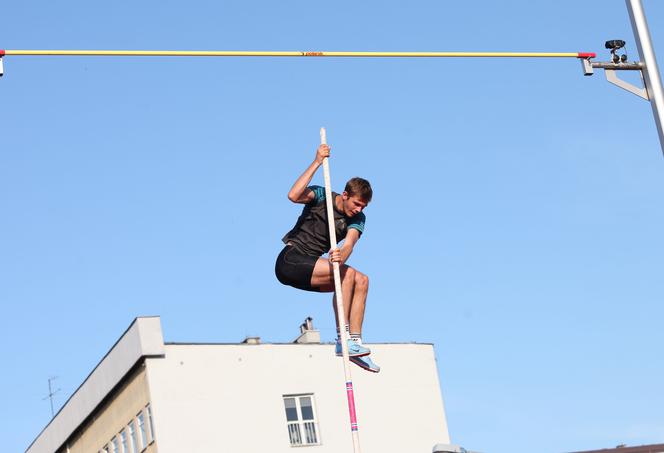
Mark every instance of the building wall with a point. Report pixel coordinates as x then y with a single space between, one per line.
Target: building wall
114 415
229 398
143 338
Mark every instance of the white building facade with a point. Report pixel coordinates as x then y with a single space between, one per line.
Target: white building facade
147 395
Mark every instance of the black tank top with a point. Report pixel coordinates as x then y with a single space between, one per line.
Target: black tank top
310 233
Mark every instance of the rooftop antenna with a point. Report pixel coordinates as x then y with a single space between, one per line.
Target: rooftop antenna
51 393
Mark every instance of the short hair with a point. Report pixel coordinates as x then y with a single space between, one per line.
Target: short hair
360 187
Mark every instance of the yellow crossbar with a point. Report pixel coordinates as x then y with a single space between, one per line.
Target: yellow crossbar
242 53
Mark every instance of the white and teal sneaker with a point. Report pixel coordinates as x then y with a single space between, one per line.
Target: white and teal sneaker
354 349
365 363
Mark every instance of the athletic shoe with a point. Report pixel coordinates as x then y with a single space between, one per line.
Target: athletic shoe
354 349
365 363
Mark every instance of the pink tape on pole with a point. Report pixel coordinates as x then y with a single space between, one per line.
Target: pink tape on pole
2 53
586 55
351 406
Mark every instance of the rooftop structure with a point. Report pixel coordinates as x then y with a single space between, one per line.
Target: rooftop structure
147 395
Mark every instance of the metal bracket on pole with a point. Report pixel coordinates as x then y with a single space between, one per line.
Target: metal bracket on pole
612 77
618 63
652 86
587 66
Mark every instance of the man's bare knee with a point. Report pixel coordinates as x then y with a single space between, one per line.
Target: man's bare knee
348 273
361 281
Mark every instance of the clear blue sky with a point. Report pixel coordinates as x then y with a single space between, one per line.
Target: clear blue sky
517 219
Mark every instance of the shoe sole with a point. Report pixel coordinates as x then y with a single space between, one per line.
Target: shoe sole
363 354
364 367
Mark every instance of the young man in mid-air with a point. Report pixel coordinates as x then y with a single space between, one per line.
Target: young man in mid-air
300 263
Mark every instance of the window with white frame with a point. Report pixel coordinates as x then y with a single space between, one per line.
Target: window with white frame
301 420
142 429
148 409
133 437
123 441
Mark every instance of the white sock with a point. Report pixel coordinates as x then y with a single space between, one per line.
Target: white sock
347 327
356 337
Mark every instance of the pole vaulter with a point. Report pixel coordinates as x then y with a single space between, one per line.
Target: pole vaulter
326 217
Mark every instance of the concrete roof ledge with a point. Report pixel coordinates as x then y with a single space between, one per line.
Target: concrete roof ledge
143 338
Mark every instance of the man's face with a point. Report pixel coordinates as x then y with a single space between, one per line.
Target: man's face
353 204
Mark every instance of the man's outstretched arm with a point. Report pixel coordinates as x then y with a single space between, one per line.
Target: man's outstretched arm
299 192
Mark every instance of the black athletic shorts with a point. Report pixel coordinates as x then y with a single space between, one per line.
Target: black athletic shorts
295 268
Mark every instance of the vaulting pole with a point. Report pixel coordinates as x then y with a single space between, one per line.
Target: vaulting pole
341 317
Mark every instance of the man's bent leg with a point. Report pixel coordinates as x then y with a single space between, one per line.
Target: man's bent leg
355 286
358 303
322 277
323 280
361 289
355 347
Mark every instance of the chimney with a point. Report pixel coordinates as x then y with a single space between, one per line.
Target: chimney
252 340
308 335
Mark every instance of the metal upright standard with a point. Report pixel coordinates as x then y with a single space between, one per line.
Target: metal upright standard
343 335
652 85
650 71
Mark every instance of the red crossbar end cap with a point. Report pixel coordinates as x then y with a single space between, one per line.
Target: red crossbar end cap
586 55
2 53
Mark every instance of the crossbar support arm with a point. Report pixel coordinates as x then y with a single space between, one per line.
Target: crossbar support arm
610 69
